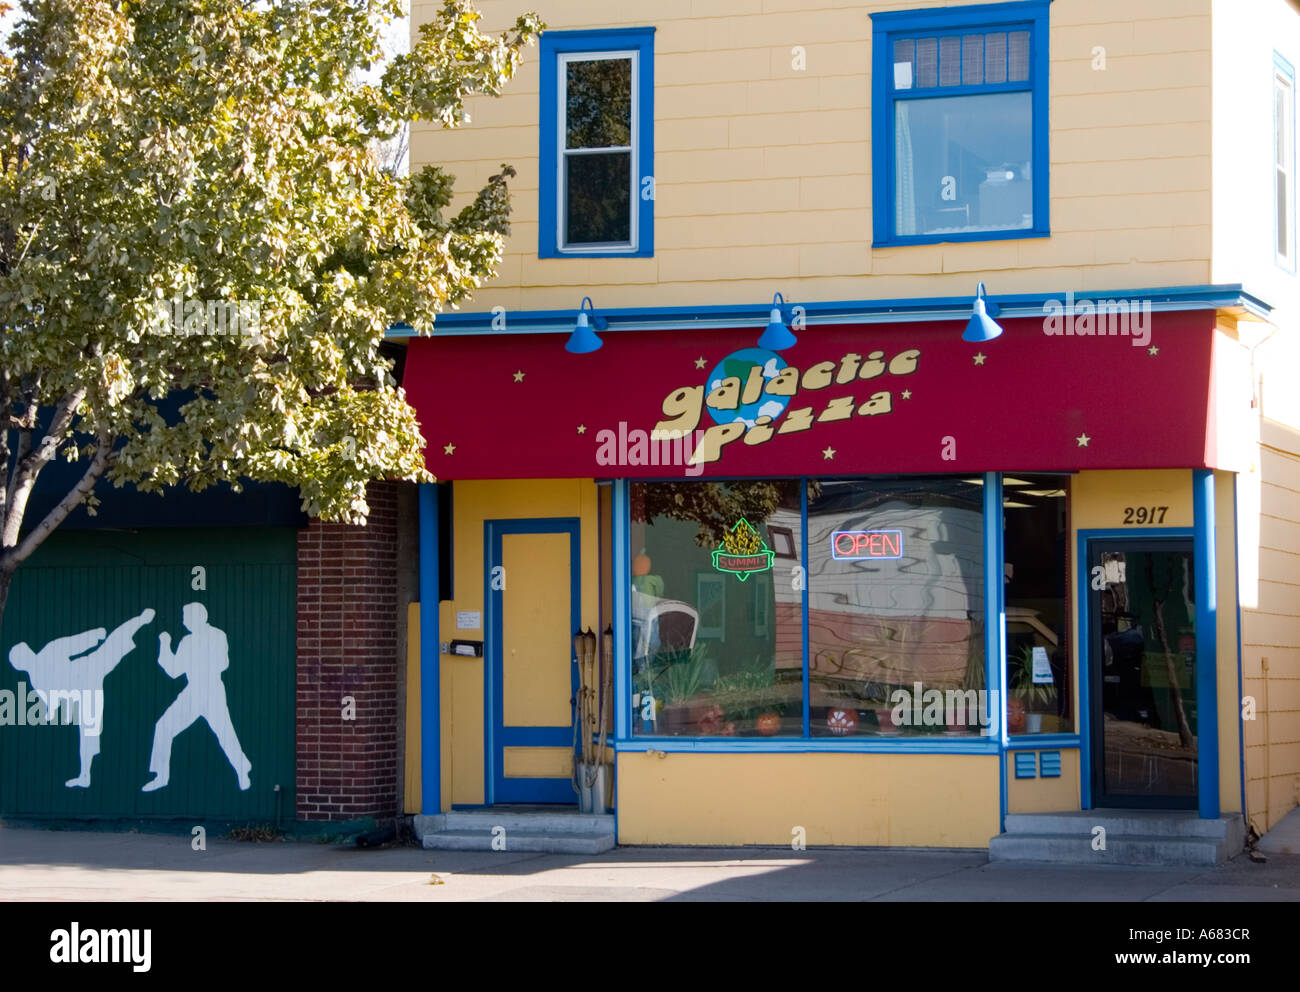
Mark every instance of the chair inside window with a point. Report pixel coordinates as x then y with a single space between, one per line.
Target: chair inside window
670 625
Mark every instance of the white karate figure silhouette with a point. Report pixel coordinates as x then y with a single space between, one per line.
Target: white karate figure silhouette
57 676
201 656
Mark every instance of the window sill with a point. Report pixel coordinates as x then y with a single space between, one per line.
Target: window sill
864 745
1025 742
940 239
603 253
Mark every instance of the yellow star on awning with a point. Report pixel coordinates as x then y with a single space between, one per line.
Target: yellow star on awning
828 453
582 428
519 376
448 449
1083 440
979 357
700 362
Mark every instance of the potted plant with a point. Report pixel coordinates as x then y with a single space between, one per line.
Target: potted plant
1030 695
681 681
750 696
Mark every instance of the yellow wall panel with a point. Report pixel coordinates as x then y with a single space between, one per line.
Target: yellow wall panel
838 799
1044 795
538 762
535 632
1098 499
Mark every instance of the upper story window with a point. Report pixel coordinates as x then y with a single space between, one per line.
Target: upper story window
1284 163
959 123
596 183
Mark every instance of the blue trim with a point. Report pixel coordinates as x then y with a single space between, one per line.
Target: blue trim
793 745
995 669
621 576
886 27
1067 742
994 612
1025 765
803 606
1083 669
553 45
498 788
430 655
1224 296
1207 669
954 17
1241 688
1049 764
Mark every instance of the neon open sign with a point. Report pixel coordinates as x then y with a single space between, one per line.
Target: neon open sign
856 545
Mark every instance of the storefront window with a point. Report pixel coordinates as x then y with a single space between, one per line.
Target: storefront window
896 608
1038 650
717 624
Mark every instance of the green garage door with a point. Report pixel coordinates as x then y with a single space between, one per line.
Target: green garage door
150 675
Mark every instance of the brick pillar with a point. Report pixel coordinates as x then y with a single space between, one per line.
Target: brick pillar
347 646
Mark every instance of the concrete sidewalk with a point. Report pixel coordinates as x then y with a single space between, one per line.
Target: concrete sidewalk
48 865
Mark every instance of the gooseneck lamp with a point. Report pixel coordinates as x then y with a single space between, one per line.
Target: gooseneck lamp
980 327
583 340
777 336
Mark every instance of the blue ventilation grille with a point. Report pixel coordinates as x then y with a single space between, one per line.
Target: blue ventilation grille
1049 764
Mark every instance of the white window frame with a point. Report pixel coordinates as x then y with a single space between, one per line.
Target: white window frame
1284 83
562 172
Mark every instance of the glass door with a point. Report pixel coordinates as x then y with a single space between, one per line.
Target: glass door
1142 637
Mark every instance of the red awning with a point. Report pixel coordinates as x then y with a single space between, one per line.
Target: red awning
845 400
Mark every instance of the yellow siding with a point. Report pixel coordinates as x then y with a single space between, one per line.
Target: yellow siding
1044 795
1271 633
779 159
854 800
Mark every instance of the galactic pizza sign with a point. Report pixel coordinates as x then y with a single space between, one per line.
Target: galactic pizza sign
845 400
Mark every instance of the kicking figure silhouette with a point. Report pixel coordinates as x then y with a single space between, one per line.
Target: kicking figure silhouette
59 677
201 656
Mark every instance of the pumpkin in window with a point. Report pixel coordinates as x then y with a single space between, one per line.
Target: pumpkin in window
841 723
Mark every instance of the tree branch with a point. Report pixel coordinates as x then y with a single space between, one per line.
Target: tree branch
16 555
30 463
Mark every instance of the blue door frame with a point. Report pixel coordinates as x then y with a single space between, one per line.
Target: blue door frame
497 736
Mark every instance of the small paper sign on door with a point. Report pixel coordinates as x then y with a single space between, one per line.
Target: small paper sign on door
468 620
1042 667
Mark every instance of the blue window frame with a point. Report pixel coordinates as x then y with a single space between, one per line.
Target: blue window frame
596 160
1283 178
959 119
989 741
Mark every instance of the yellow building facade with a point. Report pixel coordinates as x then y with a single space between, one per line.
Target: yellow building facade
1015 430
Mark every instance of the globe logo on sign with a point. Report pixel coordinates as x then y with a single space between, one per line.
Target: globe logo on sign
737 365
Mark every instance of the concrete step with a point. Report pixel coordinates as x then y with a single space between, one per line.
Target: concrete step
1121 849
529 840
1158 823
534 821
